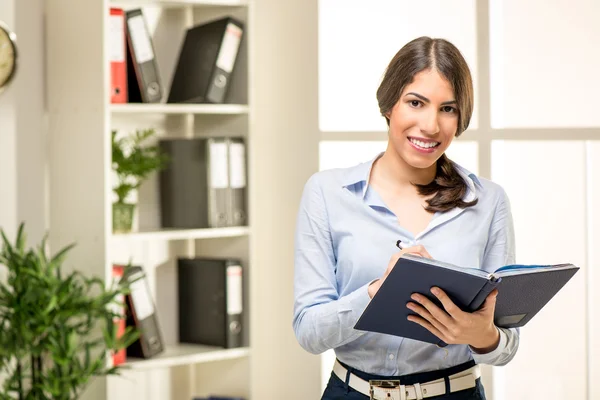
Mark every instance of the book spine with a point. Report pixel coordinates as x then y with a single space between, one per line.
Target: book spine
482 295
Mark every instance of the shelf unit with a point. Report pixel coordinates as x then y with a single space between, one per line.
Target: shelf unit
81 118
178 355
183 234
166 109
179 3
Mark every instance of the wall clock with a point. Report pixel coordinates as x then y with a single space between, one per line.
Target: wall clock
8 55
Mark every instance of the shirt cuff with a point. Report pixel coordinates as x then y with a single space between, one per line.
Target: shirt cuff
488 358
357 301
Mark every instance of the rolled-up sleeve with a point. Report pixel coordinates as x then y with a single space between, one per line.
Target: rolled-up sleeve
322 319
500 251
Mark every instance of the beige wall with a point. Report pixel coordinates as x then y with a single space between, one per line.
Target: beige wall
285 136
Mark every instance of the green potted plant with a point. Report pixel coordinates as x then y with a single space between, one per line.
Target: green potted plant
56 331
132 161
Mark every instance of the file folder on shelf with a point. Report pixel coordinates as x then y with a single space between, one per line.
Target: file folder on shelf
204 185
218 182
210 301
144 84
206 62
118 54
237 182
119 356
141 313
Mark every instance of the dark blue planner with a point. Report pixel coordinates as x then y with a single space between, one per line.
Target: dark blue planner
523 290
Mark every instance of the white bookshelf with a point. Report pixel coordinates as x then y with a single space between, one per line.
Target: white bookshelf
179 3
81 119
172 109
182 354
183 234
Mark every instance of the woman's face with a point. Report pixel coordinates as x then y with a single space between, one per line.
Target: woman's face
424 120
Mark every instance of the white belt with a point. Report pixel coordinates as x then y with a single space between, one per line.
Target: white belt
394 390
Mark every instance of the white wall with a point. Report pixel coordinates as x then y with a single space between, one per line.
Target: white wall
22 154
8 134
22 128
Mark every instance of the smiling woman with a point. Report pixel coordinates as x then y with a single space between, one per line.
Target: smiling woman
350 219
425 115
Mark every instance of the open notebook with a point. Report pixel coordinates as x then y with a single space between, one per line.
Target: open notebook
523 290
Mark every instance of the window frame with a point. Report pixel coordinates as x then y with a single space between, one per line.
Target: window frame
484 135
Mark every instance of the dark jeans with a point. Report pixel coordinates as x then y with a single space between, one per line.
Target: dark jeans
338 390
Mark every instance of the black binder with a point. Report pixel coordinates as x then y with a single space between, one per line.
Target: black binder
141 313
210 301
194 186
204 185
143 78
206 62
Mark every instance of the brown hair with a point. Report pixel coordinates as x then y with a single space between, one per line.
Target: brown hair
422 54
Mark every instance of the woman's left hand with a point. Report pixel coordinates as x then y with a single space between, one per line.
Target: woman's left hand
454 326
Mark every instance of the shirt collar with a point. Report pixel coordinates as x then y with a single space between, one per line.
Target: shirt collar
473 183
362 172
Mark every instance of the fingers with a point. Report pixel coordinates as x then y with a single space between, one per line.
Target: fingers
394 258
450 323
434 310
427 325
425 314
418 249
393 261
489 306
448 304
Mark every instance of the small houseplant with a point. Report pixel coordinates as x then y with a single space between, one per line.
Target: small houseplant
132 161
56 331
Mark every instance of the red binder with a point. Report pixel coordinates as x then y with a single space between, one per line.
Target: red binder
120 356
118 63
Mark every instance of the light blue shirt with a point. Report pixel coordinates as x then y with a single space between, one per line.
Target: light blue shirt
345 237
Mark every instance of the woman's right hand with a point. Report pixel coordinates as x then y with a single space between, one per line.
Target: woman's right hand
417 250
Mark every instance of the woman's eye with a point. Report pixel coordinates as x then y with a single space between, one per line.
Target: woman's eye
448 109
415 103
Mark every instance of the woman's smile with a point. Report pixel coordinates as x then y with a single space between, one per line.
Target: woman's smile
423 145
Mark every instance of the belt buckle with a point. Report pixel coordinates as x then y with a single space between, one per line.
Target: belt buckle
389 389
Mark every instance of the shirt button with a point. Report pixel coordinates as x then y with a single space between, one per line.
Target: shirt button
391 356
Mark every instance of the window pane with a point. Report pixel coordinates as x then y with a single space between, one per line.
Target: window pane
358 39
346 154
548 206
544 63
465 153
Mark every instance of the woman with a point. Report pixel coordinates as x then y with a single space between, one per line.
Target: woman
350 220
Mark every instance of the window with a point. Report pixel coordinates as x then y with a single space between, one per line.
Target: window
358 39
539 144
547 193
544 63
